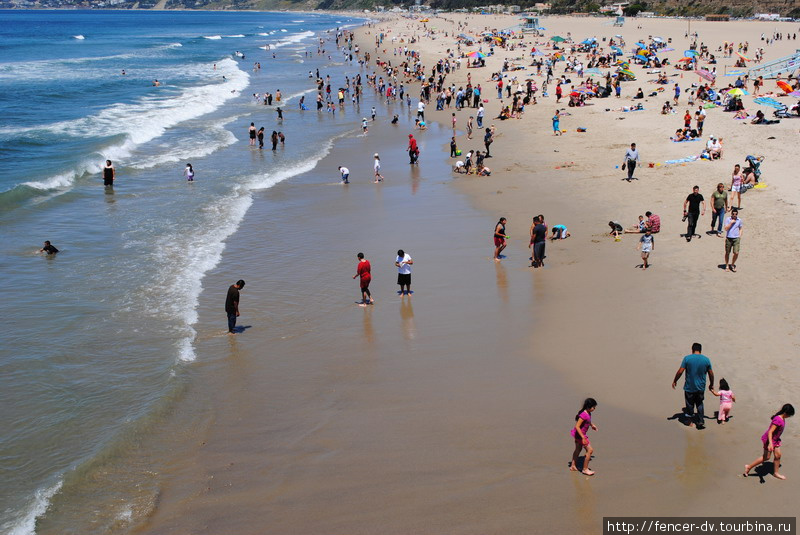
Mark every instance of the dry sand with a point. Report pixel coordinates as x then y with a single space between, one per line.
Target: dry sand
450 414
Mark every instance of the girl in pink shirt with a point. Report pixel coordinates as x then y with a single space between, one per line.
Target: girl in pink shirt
771 441
583 421
726 401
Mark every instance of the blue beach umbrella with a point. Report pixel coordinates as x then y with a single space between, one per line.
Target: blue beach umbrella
641 45
617 49
690 53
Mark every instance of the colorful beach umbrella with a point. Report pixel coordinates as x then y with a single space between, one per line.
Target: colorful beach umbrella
627 72
742 56
786 87
686 59
736 92
690 53
617 49
476 54
705 75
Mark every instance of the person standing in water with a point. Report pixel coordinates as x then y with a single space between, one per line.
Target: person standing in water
232 305
500 238
404 263
261 138
189 172
363 270
252 132
109 174
274 139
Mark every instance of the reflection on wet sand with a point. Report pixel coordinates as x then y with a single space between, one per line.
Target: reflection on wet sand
502 281
407 316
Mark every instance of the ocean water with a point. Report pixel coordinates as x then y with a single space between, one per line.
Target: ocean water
100 338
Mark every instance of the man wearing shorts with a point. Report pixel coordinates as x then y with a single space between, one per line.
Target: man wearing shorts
696 367
404 263
538 241
733 233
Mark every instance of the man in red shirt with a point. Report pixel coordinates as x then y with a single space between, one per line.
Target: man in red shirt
653 222
413 150
364 271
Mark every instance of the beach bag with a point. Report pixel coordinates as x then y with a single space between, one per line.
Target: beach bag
624 165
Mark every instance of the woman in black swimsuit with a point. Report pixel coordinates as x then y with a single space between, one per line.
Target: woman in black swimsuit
109 174
261 138
252 134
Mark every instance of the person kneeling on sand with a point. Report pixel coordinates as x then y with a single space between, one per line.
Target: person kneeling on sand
559 232
459 167
616 228
483 171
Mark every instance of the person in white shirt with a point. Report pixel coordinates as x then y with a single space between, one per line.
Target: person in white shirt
377 166
421 110
403 263
345 175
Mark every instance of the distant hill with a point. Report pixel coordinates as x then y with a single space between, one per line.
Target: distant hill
735 8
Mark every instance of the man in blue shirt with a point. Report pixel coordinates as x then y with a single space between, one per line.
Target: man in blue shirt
696 367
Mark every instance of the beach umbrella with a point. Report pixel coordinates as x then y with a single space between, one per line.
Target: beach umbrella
557 39
736 92
476 54
690 53
584 90
742 56
627 72
643 52
641 45
574 94
617 49
537 53
706 75
786 87
685 59
794 94
658 40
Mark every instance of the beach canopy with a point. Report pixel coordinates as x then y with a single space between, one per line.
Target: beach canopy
690 53
706 75
557 39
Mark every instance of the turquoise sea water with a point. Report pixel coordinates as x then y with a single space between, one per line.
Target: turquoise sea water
98 337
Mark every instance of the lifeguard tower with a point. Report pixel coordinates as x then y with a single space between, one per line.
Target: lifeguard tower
620 21
530 24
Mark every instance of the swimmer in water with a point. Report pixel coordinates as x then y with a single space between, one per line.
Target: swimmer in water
48 248
156 83
189 172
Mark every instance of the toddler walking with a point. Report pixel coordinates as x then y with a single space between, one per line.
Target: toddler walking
726 401
583 421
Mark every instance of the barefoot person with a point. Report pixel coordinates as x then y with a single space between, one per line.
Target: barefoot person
771 440
363 270
232 305
109 174
500 238
696 367
647 245
733 235
404 263
538 241
630 161
377 166
583 421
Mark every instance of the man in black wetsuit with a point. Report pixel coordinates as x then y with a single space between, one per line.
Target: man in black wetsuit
48 248
232 305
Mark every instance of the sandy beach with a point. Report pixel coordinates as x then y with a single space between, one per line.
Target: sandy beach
450 411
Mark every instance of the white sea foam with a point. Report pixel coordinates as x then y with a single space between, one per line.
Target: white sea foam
298 21
284 30
141 121
213 37
26 525
201 252
237 35
293 39
78 37
263 33
174 45
202 144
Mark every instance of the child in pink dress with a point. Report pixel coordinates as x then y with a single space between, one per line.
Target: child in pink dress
771 441
583 421
726 401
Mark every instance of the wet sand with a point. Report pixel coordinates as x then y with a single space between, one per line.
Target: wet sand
449 412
